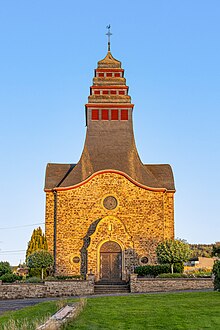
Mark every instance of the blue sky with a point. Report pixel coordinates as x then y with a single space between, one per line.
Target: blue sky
170 51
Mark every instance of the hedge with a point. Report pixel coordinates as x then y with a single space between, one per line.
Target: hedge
216 272
155 270
10 278
174 275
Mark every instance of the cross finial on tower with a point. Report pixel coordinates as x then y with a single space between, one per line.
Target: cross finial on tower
109 34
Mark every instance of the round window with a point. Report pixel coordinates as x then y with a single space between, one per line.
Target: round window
110 202
144 260
76 260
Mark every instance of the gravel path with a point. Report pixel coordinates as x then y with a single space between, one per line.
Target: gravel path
15 304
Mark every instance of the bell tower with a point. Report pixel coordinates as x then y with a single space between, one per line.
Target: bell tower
110 143
109 99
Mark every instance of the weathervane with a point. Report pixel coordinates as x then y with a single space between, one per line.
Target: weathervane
109 34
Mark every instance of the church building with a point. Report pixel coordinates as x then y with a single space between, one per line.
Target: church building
106 214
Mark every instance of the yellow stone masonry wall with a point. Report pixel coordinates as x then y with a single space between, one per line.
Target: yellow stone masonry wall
141 219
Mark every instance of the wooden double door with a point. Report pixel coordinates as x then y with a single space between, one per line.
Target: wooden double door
110 262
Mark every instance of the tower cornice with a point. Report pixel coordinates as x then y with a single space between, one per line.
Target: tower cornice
110 105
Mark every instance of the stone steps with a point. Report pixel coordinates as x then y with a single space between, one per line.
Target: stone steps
111 288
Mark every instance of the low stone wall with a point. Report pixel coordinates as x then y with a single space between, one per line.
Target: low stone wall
48 289
168 284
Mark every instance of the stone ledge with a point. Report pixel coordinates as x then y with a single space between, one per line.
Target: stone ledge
169 284
47 289
175 279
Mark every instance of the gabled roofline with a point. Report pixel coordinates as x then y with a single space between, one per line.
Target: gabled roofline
110 171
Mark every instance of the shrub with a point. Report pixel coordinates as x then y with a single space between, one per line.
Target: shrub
170 275
216 272
202 274
36 272
187 275
155 270
10 278
33 279
178 267
64 278
5 268
73 277
152 270
50 278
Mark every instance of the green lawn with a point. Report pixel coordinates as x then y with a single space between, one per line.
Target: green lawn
27 318
151 311
154 311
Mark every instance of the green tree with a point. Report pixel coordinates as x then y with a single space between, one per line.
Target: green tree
216 250
40 260
173 251
5 268
201 250
38 242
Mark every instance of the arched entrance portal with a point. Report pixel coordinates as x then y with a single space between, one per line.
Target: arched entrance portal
110 262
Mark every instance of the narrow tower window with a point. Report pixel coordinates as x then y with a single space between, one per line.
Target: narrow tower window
104 114
124 114
114 114
95 114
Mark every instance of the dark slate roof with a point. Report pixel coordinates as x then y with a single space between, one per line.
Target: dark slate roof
163 173
57 174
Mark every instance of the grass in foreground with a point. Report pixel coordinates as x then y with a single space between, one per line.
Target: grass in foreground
192 311
171 311
28 318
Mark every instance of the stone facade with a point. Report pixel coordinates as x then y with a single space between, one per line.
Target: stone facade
48 289
84 224
138 285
